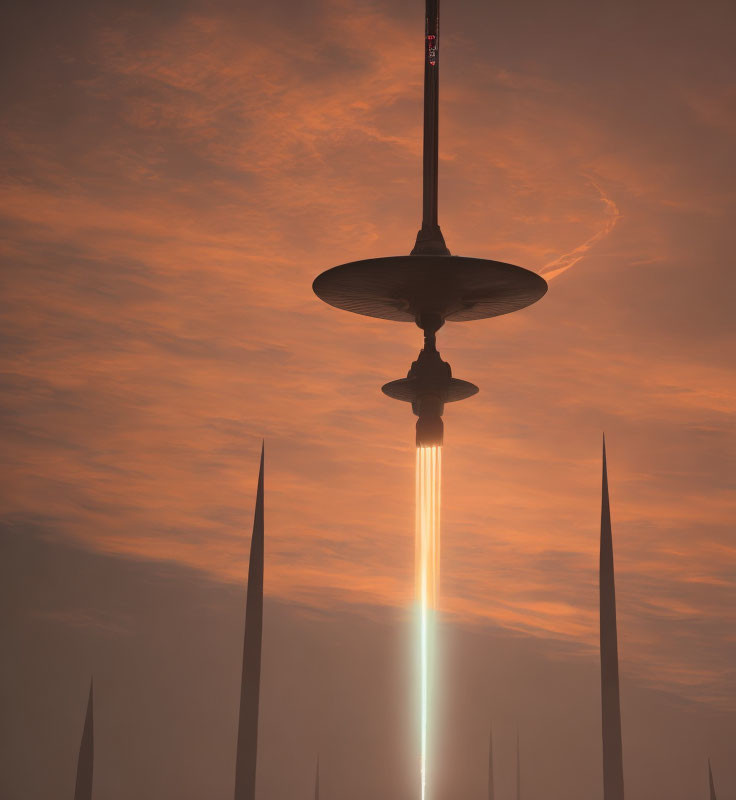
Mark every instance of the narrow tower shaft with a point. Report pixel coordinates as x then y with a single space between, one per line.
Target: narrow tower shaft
85 763
491 785
429 238
711 785
431 113
247 749
316 782
613 768
518 769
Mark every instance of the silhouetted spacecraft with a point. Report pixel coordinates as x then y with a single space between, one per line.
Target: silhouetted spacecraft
430 286
613 764
85 762
247 747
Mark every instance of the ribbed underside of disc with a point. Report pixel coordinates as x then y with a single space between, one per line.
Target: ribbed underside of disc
402 288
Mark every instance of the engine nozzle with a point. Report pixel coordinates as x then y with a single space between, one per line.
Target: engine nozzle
430 430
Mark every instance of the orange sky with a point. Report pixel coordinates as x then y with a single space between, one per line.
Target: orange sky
173 182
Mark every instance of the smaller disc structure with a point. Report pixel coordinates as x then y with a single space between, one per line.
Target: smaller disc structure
407 389
403 288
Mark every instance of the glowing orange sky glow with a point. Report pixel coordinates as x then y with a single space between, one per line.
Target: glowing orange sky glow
170 192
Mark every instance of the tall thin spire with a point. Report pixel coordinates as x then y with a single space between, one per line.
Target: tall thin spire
85 763
491 785
316 782
429 238
247 749
613 767
710 783
518 768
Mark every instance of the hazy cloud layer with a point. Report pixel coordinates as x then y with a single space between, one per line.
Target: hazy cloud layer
338 682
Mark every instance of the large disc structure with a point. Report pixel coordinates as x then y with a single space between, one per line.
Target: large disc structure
405 288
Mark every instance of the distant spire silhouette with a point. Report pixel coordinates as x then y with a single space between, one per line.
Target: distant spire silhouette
518 768
710 782
247 749
316 782
491 787
85 763
613 767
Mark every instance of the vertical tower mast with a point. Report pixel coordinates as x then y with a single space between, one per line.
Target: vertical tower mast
85 763
711 785
613 768
247 747
491 782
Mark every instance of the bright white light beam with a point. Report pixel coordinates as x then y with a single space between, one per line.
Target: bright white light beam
427 575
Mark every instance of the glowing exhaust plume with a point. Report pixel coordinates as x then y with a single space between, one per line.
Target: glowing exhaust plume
427 576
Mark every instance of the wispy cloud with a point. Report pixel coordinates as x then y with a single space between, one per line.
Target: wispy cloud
567 260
